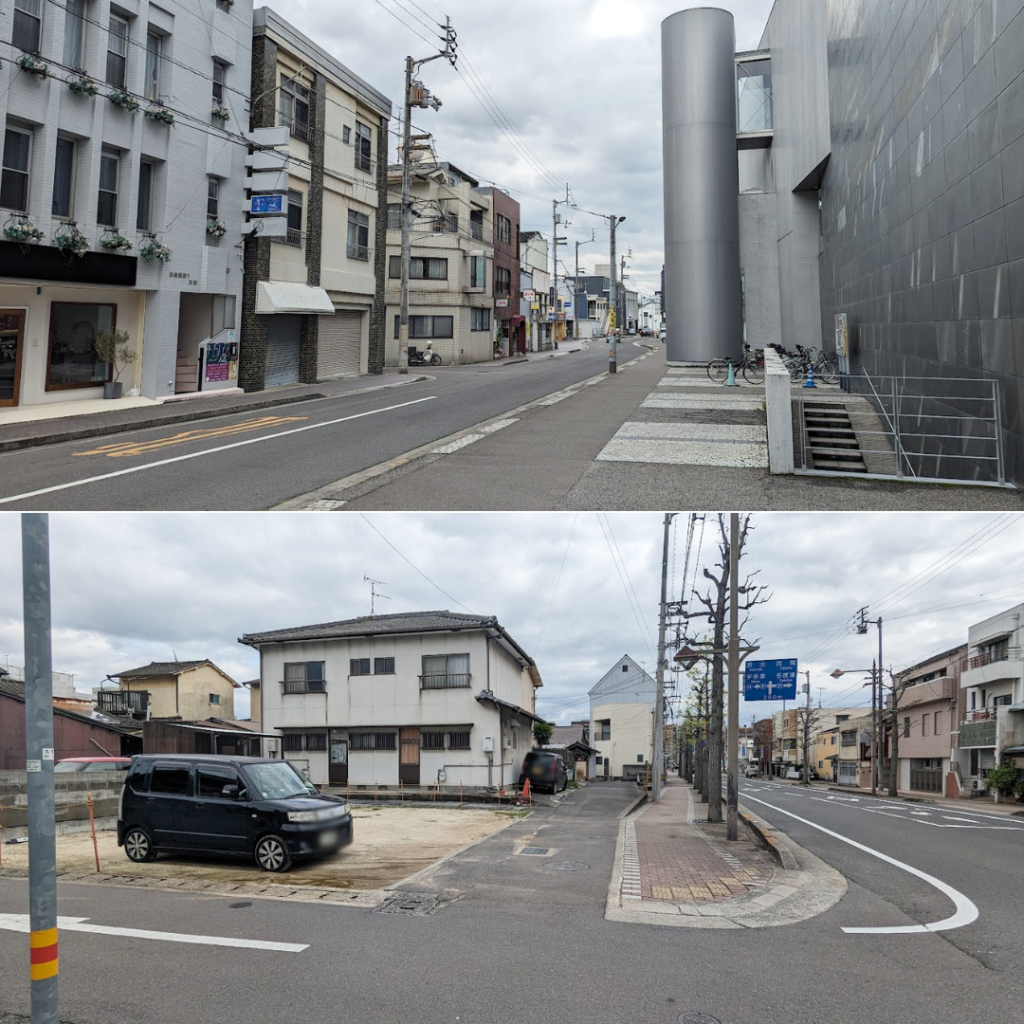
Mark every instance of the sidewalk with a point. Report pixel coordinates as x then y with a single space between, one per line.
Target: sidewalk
675 868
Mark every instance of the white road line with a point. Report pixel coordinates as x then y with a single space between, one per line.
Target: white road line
207 451
966 911
20 923
949 817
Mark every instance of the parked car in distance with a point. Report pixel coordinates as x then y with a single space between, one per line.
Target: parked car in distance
751 771
545 770
228 806
661 334
93 764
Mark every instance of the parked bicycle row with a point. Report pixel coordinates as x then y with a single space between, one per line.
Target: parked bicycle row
751 365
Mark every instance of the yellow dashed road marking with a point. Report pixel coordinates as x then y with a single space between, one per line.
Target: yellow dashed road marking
123 448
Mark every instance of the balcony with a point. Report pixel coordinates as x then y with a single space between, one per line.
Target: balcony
444 680
978 729
123 702
988 658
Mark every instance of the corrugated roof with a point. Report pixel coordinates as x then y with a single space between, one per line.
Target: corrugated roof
15 688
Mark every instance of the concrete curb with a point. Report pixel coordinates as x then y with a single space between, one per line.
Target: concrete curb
983 806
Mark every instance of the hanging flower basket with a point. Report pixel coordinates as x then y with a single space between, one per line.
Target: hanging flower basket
22 230
70 241
216 228
115 241
83 86
160 114
151 250
124 100
221 112
33 65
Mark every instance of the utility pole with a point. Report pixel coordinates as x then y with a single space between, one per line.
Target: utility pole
613 354
659 702
732 799
624 314
555 242
806 781
415 95
576 283
876 686
42 837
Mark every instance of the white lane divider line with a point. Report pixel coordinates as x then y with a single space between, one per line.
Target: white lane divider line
966 912
949 817
497 425
208 451
20 923
454 446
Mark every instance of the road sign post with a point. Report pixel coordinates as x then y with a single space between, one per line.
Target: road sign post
770 680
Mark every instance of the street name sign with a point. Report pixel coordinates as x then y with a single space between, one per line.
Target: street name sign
770 680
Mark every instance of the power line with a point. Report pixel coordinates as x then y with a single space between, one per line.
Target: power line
558 579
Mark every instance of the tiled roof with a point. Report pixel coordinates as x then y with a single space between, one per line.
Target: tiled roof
566 734
374 625
12 687
159 668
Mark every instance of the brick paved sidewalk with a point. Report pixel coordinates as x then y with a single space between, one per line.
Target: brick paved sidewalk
671 853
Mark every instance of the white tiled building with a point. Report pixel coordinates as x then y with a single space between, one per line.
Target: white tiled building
75 162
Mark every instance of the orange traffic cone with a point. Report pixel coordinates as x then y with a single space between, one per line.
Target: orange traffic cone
525 797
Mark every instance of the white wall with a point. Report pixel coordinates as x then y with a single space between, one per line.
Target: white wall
631 734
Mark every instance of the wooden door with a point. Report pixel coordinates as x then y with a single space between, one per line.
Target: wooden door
337 772
409 757
12 331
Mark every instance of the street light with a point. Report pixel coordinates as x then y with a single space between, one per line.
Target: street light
836 673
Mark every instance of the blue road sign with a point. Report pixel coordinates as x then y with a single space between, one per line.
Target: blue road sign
770 680
267 204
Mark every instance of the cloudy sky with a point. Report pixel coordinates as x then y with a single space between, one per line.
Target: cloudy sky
575 84
576 590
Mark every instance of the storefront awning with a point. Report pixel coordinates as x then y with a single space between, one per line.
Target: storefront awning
289 297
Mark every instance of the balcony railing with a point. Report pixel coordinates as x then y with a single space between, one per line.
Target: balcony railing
444 680
980 660
303 686
123 702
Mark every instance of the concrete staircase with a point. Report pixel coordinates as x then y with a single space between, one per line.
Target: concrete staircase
831 442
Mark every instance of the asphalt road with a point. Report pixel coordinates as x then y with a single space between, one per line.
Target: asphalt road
521 938
258 459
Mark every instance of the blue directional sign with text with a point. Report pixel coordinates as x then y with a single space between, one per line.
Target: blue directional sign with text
770 680
267 204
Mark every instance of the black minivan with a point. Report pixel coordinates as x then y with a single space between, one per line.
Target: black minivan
545 770
229 806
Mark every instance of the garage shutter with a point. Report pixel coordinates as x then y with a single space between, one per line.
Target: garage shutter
284 336
847 775
338 345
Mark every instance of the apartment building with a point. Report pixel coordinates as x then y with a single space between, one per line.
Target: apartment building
451 273
312 306
533 256
510 324
120 192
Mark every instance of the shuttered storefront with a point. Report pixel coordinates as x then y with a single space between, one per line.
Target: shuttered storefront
284 337
338 344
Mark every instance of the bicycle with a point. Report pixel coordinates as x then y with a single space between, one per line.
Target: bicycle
751 364
824 367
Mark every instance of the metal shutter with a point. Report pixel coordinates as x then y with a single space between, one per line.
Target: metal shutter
339 343
284 337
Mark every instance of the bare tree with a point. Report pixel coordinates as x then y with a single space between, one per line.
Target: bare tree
892 720
807 719
715 607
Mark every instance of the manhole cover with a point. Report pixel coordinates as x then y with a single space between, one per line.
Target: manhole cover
569 865
537 851
697 1018
415 904
239 906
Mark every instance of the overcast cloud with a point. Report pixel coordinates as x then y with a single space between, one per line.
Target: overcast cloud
133 588
580 80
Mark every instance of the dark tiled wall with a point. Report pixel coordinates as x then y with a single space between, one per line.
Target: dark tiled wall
923 197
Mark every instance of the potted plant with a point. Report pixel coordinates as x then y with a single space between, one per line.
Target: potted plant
160 114
151 250
22 230
114 240
124 100
69 240
216 228
81 85
113 347
221 112
33 65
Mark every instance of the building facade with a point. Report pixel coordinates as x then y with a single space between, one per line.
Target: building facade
185 690
123 158
622 720
510 324
533 254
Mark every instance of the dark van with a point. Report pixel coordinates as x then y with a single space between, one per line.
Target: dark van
229 806
545 770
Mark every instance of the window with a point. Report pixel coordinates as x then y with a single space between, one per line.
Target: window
476 272
833 741
364 136
384 666
442 671
371 741
937 724
504 229
220 74
431 326
476 223
27 20
395 219
151 84
346 134
448 222
171 779
849 739
906 727
144 220
304 677
625 668
639 758
211 780
214 698
426 268
295 108
294 236
479 319
604 729
502 282
14 178
106 210
924 725
72 356
212 198
222 316
292 741
359 667
316 741
460 740
117 51
74 33
432 740
358 235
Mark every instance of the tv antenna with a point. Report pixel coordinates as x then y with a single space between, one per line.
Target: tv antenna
374 584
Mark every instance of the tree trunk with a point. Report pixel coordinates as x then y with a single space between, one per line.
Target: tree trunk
717 695
894 763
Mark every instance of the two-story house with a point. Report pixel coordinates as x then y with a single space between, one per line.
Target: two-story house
120 192
313 301
408 699
622 720
992 728
188 691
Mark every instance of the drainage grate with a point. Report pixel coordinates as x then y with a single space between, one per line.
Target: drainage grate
536 851
414 904
569 865
697 1018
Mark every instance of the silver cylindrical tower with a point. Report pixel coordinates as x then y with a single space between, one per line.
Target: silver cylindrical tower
702 251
